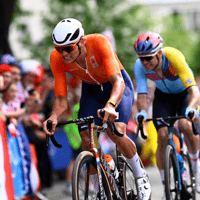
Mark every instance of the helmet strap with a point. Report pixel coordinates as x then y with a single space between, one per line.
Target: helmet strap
79 52
158 62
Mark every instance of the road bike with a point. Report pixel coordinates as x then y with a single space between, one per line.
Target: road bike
174 163
110 187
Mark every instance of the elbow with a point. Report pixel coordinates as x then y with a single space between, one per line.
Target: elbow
123 85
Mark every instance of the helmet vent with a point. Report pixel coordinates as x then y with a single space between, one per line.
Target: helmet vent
149 47
75 35
68 20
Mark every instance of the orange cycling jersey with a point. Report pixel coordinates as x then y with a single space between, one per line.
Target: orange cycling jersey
101 62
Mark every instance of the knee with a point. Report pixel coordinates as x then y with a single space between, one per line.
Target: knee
185 126
162 139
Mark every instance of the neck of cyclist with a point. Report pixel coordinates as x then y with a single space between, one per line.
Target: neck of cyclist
82 53
159 62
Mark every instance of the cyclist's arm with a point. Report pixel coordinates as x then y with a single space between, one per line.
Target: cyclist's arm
118 87
194 97
59 107
142 102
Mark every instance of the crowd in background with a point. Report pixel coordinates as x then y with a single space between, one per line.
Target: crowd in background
27 95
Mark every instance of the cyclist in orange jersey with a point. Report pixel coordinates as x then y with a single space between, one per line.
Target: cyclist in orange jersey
105 85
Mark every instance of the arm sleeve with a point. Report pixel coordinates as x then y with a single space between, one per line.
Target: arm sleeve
107 54
141 78
59 75
180 66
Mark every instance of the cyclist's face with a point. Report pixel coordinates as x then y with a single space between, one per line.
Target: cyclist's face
150 64
68 58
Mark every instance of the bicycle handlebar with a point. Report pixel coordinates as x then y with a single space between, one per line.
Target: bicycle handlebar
81 121
161 119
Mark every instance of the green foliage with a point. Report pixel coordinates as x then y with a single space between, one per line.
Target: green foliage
175 35
126 25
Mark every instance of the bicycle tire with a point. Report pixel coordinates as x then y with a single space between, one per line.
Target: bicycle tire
171 175
128 181
79 179
190 176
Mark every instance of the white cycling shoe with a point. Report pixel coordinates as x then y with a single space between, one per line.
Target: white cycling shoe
143 188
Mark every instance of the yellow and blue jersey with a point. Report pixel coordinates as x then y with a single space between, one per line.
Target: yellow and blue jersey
177 74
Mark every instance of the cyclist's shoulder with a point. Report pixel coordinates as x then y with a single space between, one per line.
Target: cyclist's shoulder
96 40
172 53
138 66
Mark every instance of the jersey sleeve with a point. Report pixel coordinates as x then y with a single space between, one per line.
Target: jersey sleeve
59 74
180 66
141 78
107 54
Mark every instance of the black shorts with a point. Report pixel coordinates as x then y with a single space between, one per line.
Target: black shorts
165 105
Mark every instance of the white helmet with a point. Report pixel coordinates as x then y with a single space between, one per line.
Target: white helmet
67 31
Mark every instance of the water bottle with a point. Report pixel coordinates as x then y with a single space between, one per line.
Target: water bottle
112 165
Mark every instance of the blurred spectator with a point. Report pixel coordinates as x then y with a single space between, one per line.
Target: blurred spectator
8 59
10 108
38 85
6 73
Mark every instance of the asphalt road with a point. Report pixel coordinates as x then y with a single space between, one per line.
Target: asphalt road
56 191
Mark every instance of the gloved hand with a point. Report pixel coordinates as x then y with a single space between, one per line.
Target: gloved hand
143 113
189 109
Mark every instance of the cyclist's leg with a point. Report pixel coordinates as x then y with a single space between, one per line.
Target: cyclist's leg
191 140
163 106
126 146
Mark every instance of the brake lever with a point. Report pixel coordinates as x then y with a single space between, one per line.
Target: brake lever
140 127
194 126
49 127
111 125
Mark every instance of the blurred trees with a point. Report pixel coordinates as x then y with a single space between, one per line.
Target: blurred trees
126 25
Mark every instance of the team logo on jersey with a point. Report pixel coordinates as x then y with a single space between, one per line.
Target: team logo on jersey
189 81
93 62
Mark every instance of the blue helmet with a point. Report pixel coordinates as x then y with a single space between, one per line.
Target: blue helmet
148 43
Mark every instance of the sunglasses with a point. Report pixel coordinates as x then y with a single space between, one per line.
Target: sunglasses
68 48
147 58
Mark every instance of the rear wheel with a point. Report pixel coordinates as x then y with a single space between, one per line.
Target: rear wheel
82 186
171 175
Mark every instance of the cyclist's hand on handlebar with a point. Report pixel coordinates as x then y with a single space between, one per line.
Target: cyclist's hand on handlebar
190 110
110 114
54 123
142 113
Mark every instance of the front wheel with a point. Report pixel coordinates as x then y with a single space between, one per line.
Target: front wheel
171 175
82 186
